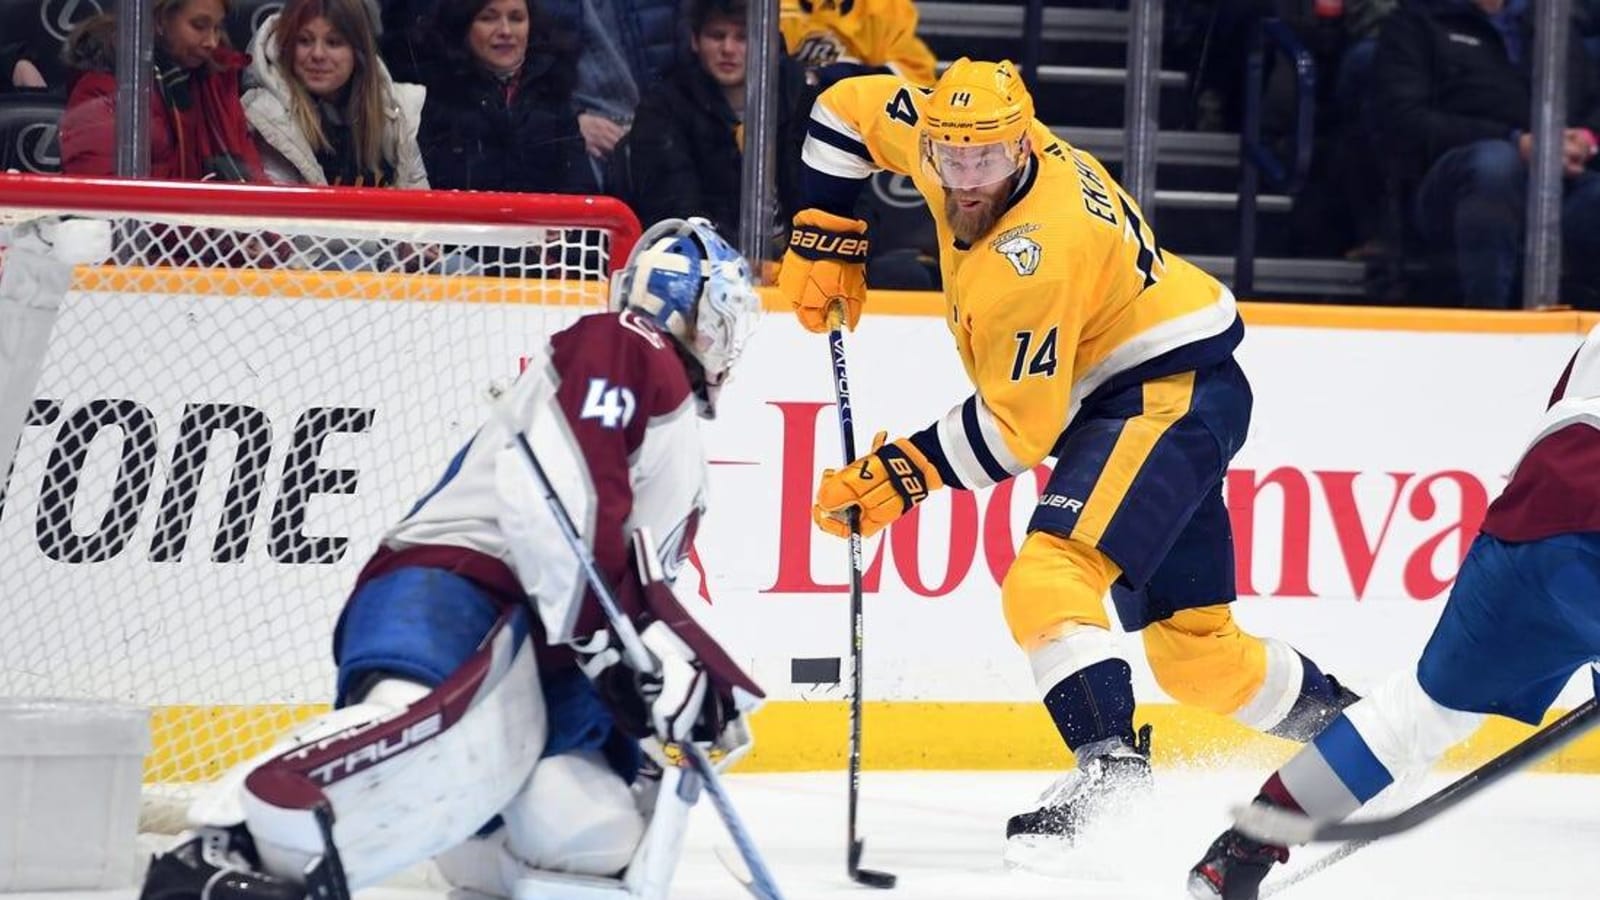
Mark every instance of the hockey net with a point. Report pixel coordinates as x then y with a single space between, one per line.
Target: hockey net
229 410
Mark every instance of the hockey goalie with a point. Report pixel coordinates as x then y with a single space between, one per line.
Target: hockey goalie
485 716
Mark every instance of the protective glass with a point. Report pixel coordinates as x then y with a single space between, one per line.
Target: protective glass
968 166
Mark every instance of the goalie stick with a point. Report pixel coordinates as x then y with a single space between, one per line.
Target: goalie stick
761 883
847 436
1280 826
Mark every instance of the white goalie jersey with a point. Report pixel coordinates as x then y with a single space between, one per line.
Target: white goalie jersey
611 417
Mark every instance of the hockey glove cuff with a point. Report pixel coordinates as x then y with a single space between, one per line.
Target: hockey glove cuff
825 267
883 485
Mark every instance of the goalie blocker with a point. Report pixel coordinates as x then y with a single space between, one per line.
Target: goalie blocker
483 716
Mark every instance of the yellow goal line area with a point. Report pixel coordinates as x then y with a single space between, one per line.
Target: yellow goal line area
199 743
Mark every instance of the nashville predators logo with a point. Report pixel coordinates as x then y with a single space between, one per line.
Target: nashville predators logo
826 6
819 48
1020 250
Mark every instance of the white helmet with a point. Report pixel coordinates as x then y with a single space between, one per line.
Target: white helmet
684 277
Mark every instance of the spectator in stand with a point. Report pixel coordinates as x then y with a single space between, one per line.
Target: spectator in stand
197 125
322 104
17 70
498 115
684 155
1359 165
1453 81
621 44
835 39
625 44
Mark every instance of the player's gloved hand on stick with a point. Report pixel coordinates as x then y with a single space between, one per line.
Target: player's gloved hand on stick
679 701
884 485
825 265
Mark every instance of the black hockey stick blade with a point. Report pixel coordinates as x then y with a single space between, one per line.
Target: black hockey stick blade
325 878
869 877
1280 826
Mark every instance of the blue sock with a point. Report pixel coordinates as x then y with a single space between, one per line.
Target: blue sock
1318 702
1094 704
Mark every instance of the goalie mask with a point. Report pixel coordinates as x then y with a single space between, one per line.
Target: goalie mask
688 280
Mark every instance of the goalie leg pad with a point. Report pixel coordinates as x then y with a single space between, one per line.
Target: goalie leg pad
221 804
574 815
411 785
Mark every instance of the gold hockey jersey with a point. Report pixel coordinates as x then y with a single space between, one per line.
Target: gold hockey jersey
871 32
1068 293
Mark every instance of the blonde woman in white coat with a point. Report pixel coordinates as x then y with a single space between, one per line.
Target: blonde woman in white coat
322 105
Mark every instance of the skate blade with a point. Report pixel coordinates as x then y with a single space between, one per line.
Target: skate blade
1040 854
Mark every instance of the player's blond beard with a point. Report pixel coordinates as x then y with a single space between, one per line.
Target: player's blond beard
968 227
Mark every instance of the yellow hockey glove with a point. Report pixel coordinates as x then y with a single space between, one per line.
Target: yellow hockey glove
825 266
884 484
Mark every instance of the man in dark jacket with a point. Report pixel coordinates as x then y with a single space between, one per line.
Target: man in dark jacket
1453 81
684 154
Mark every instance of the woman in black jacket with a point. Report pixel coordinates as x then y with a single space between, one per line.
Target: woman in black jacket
499 113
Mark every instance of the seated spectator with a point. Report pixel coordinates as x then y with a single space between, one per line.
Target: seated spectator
620 45
322 105
684 156
498 116
836 40
197 125
1453 104
17 70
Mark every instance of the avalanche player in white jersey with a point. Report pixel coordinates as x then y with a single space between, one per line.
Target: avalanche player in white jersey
1523 616
484 716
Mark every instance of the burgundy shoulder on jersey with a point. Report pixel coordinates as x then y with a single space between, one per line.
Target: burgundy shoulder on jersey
614 372
1556 486
624 351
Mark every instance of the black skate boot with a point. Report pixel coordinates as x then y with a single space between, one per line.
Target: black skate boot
1105 777
214 864
1233 868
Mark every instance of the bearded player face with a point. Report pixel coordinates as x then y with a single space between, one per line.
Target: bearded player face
972 212
977 181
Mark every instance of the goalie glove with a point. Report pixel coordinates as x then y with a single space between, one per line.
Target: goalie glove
825 266
694 691
680 701
883 485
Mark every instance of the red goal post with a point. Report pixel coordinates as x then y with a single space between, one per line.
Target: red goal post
222 415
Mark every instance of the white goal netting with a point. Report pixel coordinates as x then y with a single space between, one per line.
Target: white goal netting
230 409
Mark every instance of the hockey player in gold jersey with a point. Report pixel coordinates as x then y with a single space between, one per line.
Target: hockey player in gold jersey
871 34
1085 341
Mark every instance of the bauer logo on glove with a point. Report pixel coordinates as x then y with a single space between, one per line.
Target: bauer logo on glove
883 485
825 269
813 244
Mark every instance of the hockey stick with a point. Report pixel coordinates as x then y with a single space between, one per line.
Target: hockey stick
1278 886
847 436
761 884
1280 826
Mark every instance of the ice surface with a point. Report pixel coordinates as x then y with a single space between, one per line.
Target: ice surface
1536 836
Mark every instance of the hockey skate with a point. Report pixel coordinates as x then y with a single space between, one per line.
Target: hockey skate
1107 777
1234 867
213 864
